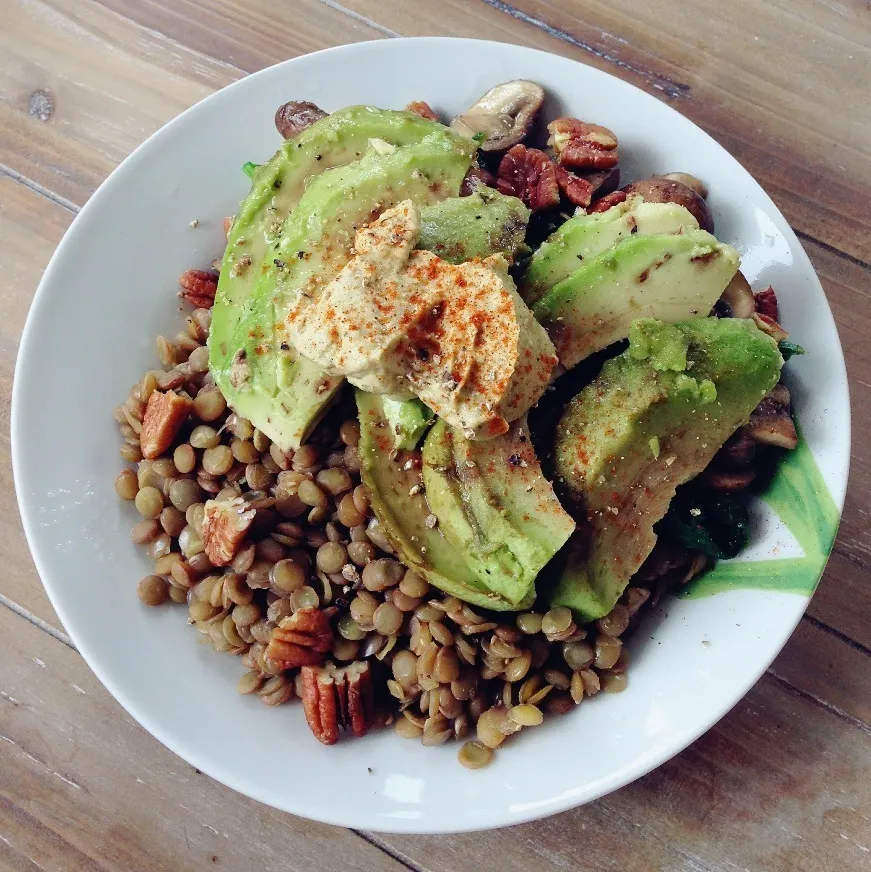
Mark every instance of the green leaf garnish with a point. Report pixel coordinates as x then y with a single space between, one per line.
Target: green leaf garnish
789 349
250 168
715 525
480 136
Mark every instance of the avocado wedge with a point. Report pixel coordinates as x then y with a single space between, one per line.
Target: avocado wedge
585 236
668 277
278 185
256 368
652 420
425 526
493 503
463 228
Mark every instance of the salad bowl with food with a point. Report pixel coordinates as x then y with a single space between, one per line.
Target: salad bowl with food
489 423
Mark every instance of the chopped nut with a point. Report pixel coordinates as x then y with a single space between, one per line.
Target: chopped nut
164 416
606 202
431 521
302 639
768 325
338 698
419 107
529 174
766 303
225 523
198 287
228 224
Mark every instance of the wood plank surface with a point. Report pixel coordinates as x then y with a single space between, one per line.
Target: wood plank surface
84 788
782 783
747 795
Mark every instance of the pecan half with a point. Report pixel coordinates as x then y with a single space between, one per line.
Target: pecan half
476 178
529 174
581 189
198 287
337 698
293 117
766 303
420 107
164 416
575 189
303 639
225 523
583 146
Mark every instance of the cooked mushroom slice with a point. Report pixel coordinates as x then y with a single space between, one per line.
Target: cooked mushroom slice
778 430
721 480
659 189
504 114
690 181
739 297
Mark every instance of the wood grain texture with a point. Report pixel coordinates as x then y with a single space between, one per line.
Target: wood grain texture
30 228
781 783
83 787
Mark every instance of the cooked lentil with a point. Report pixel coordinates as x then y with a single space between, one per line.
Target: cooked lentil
450 670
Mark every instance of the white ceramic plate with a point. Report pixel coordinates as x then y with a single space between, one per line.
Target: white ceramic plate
110 289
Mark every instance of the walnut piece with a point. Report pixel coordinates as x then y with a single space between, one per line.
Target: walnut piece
582 146
303 639
225 523
422 108
293 117
337 698
198 287
164 416
529 174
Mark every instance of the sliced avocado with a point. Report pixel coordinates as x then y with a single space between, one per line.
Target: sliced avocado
402 510
407 420
585 236
669 277
462 228
652 420
493 502
256 368
334 141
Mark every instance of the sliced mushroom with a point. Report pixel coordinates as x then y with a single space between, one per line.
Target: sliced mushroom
728 481
504 114
739 297
661 190
776 430
738 452
690 181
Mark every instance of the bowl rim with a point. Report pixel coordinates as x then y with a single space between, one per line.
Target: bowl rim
119 691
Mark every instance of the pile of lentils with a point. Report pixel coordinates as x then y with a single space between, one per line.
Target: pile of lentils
442 669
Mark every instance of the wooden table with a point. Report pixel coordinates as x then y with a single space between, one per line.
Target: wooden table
784 781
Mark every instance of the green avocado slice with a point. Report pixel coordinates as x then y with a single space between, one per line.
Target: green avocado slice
261 376
334 141
484 223
402 511
652 420
492 502
585 236
668 277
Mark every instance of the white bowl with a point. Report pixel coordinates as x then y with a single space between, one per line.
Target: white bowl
110 289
